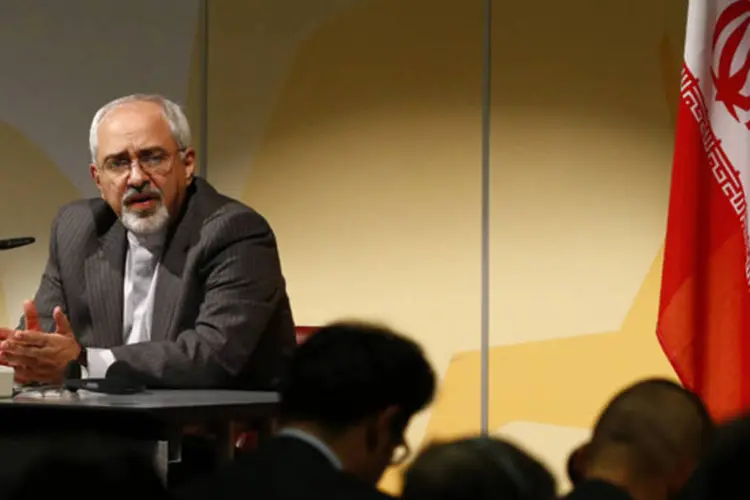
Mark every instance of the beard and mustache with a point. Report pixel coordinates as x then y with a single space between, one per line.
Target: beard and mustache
144 220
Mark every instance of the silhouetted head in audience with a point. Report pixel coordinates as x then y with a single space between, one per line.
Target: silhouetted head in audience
724 472
648 440
82 466
477 469
356 386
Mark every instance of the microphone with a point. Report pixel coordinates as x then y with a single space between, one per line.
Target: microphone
72 371
11 243
121 378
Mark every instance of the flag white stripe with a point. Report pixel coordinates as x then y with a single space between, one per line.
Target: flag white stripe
732 135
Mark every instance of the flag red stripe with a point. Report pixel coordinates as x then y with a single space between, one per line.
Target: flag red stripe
703 321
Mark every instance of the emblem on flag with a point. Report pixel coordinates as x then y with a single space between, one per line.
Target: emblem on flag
730 72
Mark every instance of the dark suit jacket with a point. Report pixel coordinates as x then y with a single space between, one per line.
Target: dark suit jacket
284 468
221 315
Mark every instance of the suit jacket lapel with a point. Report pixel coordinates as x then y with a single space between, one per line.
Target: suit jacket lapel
169 283
104 271
168 288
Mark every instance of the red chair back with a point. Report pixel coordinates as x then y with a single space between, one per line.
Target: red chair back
304 332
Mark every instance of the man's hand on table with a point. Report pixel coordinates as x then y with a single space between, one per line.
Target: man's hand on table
38 356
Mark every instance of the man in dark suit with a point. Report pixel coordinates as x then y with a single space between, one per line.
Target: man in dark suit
162 273
349 396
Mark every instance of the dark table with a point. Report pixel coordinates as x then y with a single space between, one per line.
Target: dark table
157 417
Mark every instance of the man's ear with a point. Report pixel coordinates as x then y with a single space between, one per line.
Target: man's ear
387 418
577 463
380 428
681 476
95 175
188 160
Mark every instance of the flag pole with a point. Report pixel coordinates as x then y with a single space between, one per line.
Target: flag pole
203 20
485 294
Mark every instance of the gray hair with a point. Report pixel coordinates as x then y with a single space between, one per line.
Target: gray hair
178 122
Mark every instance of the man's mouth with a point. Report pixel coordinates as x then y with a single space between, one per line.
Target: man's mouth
142 201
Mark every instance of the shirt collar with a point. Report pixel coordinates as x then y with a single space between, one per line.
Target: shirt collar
314 442
152 242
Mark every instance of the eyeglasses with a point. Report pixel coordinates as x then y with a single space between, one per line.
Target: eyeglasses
44 391
151 161
400 453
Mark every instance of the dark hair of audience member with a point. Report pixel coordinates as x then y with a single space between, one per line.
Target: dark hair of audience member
348 371
477 469
87 466
655 428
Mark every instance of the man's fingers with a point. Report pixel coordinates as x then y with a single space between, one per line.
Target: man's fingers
25 375
6 333
62 325
30 339
22 376
15 363
19 354
31 316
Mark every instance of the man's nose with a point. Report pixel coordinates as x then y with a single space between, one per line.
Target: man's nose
137 176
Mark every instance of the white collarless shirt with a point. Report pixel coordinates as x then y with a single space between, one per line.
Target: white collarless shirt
139 290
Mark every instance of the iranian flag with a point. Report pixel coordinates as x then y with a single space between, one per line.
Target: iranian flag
704 312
